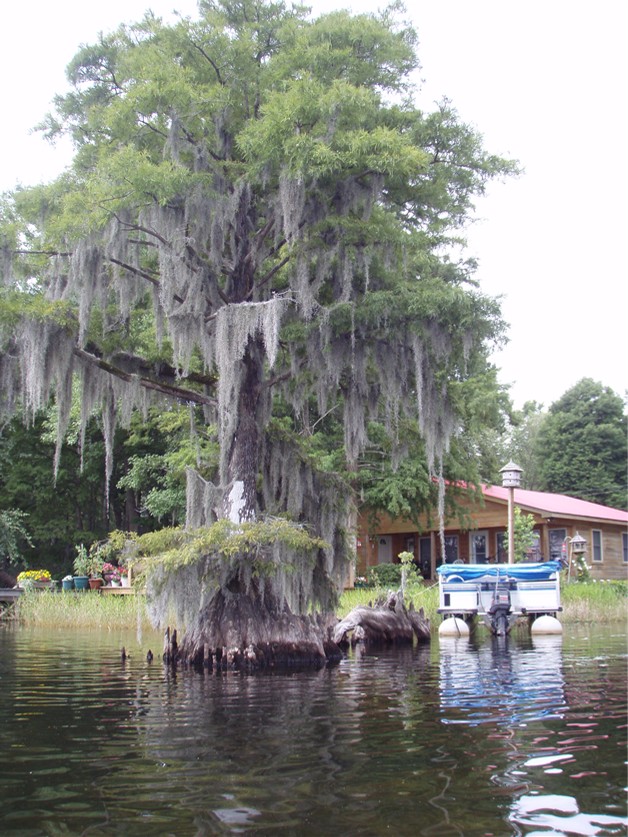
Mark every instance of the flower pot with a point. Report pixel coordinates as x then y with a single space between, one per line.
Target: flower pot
96 583
115 583
124 581
81 582
68 584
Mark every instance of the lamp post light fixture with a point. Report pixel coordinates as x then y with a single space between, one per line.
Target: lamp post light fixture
511 479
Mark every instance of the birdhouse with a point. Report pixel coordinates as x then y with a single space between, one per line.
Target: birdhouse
511 475
578 544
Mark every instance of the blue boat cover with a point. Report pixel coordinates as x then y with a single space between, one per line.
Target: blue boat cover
522 572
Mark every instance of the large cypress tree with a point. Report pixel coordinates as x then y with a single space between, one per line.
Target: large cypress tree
255 222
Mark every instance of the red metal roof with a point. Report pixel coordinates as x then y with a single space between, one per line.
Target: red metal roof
558 505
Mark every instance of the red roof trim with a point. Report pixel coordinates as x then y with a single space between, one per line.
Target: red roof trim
558 505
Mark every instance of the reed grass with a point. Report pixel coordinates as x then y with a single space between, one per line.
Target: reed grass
594 601
87 609
583 602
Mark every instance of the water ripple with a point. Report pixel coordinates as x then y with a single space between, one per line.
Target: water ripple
91 744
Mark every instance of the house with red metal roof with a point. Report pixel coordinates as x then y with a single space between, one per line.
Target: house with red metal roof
475 532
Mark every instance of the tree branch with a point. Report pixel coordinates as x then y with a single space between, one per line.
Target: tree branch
178 393
41 253
141 273
209 60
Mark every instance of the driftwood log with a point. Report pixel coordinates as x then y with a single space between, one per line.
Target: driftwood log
388 621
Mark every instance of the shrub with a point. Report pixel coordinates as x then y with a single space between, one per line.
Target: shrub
385 575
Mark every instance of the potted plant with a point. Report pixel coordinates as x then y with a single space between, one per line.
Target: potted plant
67 582
82 566
94 567
34 580
112 573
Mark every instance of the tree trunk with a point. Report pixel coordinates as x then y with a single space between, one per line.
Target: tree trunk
245 630
240 496
388 622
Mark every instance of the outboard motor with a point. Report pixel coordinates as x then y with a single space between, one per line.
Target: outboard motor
499 609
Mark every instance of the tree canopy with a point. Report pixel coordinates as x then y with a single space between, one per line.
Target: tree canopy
256 224
583 445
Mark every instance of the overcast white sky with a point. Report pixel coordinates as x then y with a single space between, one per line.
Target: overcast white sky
545 81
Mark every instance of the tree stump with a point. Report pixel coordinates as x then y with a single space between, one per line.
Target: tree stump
389 621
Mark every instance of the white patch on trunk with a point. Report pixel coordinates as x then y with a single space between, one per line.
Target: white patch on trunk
235 502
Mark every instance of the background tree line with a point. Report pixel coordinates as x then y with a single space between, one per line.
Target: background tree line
576 447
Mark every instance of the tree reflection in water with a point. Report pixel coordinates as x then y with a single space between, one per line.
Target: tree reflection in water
497 736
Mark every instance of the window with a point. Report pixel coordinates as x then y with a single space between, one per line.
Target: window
596 536
624 543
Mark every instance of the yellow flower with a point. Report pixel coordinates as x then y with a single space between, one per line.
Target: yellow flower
34 575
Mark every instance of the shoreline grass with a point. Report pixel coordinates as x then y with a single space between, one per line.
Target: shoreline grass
583 602
78 610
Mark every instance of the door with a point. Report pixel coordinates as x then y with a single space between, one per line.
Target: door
479 547
384 549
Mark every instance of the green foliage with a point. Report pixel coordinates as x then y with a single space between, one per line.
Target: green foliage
410 575
13 535
401 488
61 513
523 445
583 445
174 548
583 570
523 525
16 305
82 562
71 509
476 452
385 575
160 447
113 550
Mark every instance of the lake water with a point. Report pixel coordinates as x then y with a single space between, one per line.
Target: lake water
515 736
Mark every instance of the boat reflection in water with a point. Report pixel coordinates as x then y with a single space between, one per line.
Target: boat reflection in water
547 724
502 681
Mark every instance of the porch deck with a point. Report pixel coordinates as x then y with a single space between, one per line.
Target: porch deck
10 594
